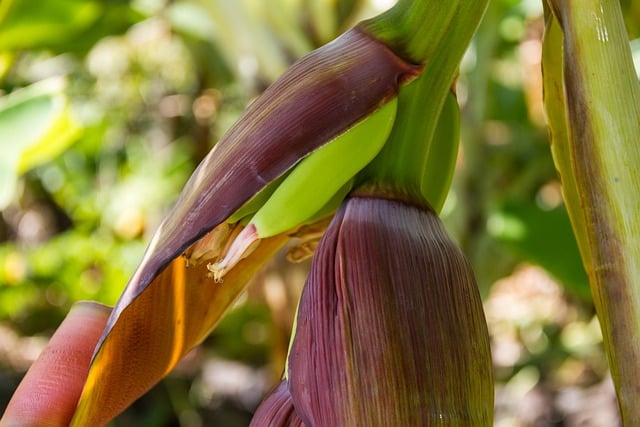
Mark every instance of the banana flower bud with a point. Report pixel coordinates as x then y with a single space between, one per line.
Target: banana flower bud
390 327
172 302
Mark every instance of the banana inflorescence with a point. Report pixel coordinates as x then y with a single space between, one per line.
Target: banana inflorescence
310 188
315 187
326 126
384 265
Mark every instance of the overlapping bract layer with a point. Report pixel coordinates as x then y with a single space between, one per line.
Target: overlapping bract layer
390 327
277 410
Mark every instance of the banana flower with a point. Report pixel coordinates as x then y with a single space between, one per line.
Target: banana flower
324 127
173 301
390 328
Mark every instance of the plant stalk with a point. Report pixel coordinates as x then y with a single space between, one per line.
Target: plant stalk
593 105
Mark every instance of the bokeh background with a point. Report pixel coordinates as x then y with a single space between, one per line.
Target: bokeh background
106 108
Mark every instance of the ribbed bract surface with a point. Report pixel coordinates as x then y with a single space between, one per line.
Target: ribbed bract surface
390 330
277 410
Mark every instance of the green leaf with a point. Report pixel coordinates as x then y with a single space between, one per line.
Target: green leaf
36 125
66 25
544 237
24 26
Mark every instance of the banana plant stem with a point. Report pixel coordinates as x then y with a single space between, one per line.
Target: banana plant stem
414 28
435 34
602 101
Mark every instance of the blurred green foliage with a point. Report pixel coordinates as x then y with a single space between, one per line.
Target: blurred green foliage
108 106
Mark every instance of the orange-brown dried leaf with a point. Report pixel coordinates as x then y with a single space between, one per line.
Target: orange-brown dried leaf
154 331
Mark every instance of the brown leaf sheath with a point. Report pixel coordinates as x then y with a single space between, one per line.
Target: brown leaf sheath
390 327
157 329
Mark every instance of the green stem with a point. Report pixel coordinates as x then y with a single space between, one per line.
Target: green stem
414 28
437 34
597 150
411 146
